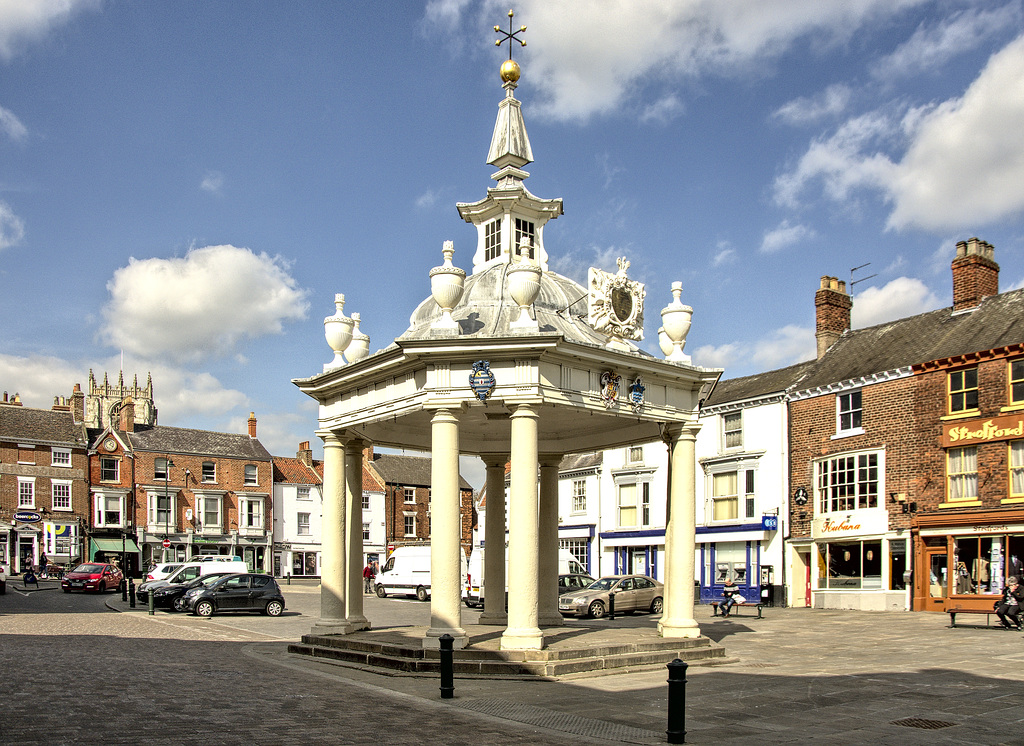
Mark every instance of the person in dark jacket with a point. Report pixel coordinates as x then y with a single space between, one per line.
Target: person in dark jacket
1008 609
732 596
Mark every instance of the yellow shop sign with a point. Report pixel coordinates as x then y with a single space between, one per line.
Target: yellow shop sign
977 431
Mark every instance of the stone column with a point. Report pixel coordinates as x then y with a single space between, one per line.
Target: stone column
332 619
354 534
494 544
523 631
547 558
677 620
445 533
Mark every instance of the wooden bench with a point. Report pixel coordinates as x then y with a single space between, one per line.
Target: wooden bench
737 605
953 612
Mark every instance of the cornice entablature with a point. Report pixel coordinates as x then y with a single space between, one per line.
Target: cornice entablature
956 361
585 471
633 471
736 406
731 458
851 383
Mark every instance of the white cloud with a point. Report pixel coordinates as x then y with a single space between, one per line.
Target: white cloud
428 199
201 305
786 346
663 110
723 356
784 236
898 299
575 263
12 228
965 164
12 125
829 103
24 21
725 254
591 57
932 46
212 182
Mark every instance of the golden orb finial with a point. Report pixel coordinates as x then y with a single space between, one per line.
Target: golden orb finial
510 71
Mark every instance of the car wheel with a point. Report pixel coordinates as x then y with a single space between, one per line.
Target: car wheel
66 590
470 604
101 588
381 593
657 605
421 594
596 609
179 603
274 608
204 608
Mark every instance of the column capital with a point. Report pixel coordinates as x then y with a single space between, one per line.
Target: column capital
495 460
444 414
334 438
675 431
524 410
550 459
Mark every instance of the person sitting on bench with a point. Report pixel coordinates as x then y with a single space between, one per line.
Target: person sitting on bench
732 597
1008 609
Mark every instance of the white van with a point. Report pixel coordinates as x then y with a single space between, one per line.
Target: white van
473 588
215 558
162 570
407 573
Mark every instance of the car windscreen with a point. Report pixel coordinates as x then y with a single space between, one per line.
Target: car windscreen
90 568
603 584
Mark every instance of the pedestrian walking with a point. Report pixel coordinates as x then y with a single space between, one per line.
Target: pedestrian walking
1008 608
43 562
368 576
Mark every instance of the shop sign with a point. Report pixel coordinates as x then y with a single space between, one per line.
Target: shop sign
770 522
28 516
977 431
858 523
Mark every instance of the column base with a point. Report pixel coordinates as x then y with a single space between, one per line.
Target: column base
551 620
522 639
679 628
432 640
493 618
331 627
358 622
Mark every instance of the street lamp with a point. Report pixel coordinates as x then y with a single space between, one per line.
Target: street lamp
167 503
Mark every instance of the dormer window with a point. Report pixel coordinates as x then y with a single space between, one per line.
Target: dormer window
525 234
492 240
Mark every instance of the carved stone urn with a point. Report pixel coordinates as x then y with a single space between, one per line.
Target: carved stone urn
676 319
664 342
524 287
447 284
338 331
359 347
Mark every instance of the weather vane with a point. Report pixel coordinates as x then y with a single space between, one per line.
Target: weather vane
510 35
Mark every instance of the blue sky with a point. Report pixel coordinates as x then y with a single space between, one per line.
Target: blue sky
189 183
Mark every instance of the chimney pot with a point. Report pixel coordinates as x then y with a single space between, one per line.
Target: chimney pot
832 312
252 424
975 273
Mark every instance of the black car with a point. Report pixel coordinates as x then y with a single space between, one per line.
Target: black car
246 592
173 596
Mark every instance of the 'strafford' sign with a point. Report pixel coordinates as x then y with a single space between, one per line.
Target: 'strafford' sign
983 431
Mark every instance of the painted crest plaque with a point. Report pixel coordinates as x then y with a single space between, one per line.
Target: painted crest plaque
610 383
481 380
636 394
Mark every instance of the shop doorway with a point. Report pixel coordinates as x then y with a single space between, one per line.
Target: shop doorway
936 563
26 552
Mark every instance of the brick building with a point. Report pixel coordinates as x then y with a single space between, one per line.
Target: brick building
876 478
407 500
44 489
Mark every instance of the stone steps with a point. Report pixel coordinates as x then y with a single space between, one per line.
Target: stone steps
478 661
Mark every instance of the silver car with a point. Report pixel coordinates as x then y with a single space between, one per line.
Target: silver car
632 593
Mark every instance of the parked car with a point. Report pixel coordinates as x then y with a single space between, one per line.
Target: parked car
632 593
248 592
572 582
189 571
4 571
173 596
92 576
162 570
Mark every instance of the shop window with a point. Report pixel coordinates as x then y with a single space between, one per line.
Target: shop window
579 496
962 473
731 562
978 560
724 497
897 565
963 390
576 547
848 411
60 457
110 470
1017 468
732 430
848 483
627 505
850 565
302 524
492 240
1017 382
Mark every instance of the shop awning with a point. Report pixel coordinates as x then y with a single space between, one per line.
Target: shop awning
113 545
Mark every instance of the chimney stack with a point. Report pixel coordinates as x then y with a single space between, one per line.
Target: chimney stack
305 454
975 274
126 416
832 313
252 424
78 403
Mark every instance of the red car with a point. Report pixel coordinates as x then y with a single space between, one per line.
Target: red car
92 576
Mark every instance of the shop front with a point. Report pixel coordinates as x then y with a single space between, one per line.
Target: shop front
857 563
742 554
963 559
634 553
296 560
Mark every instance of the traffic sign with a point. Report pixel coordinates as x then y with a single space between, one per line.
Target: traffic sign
167 543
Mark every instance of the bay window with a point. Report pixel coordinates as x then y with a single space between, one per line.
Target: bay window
848 483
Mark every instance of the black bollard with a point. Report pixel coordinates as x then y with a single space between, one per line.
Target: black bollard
676 701
131 593
289 578
124 589
447 667
611 606
149 597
